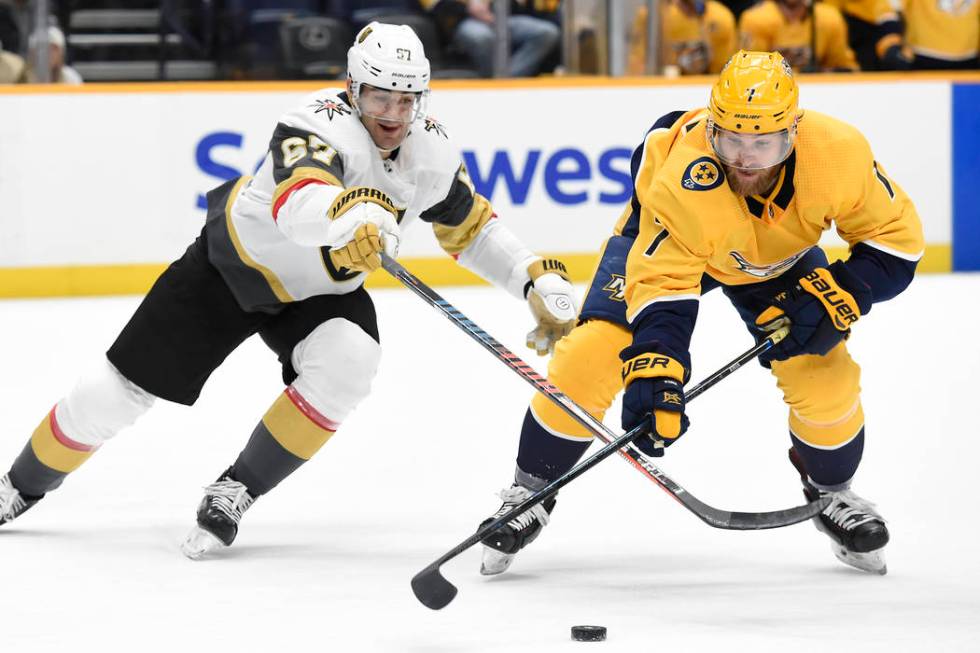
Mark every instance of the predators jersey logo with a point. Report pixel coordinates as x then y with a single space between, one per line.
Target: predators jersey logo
954 7
765 271
702 174
431 124
616 288
332 108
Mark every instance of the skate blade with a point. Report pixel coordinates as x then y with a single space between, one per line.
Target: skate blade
494 562
871 562
199 543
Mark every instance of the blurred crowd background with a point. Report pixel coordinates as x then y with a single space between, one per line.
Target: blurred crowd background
68 41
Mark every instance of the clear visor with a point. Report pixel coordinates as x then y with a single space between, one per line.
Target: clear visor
751 151
391 106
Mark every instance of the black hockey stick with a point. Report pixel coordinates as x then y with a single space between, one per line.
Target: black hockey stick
712 516
432 588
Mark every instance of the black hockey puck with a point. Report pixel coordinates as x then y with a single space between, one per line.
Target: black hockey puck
589 633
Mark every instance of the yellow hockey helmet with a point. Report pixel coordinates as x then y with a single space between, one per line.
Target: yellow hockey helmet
755 94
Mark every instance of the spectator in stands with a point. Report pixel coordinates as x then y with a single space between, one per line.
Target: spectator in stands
59 72
9 29
13 70
812 36
16 18
534 36
874 33
942 34
698 37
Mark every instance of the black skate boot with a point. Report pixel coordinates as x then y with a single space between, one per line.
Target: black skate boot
12 502
858 533
500 546
224 503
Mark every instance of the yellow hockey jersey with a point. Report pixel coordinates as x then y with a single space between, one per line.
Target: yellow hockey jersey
764 27
690 222
943 29
872 12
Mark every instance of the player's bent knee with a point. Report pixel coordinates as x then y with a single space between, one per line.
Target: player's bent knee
586 367
336 364
102 403
823 395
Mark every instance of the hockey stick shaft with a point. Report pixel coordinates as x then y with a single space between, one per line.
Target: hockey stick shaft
708 514
433 590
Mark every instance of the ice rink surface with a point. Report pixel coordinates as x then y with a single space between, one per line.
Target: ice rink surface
323 563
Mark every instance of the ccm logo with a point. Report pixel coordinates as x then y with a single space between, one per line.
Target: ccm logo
845 314
644 362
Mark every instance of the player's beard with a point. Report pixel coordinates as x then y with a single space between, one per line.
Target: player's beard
751 182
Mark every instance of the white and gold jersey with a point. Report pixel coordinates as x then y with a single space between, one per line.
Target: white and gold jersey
322 141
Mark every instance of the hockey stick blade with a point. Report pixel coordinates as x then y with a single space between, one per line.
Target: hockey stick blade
432 588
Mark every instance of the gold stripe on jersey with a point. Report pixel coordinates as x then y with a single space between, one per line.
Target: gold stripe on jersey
586 368
823 395
303 174
455 239
293 426
278 289
56 450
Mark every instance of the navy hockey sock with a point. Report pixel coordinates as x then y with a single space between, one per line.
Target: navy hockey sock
830 468
546 456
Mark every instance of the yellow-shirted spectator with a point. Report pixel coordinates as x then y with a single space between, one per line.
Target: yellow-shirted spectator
812 37
943 34
874 33
698 37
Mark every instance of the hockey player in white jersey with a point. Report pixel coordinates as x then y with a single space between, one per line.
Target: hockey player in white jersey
285 255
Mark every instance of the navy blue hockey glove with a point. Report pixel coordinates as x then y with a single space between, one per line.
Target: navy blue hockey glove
655 396
821 309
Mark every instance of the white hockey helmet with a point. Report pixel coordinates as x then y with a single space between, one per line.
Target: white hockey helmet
390 58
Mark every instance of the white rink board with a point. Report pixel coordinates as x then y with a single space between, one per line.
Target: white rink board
105 178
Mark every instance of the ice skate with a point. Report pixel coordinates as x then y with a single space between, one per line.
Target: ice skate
858 533
501 546
12 502
224 503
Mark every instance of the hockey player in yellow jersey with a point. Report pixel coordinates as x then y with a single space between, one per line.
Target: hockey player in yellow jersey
812 36
284 255
735 197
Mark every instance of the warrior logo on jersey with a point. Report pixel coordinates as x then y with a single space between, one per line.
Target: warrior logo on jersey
331 107
431 124
765 271
703 174
616 288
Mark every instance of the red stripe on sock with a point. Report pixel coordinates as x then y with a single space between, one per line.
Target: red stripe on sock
63 439
312 413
